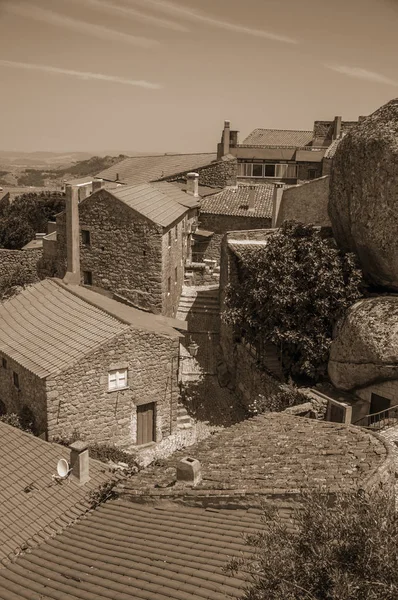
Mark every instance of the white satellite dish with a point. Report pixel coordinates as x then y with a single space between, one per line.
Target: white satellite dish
63 468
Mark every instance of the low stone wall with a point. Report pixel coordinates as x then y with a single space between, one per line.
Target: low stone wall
23 261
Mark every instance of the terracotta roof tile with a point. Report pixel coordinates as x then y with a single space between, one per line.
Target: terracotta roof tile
161 203
279 138
27 462
126 551
235 202
143 169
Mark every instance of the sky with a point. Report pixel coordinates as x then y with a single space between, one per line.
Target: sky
162 76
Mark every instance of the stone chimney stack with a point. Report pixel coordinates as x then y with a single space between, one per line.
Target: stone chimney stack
276 202
97 184
252 197
337 128
79 461
189 471
193 184
72 235
226 137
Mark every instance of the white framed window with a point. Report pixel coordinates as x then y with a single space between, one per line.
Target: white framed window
268 170
117 379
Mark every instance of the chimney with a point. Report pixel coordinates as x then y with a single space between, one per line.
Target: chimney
193 184
189 471
40 236
97 184
276 202
72 235
252 196
337 128
79 461
226 137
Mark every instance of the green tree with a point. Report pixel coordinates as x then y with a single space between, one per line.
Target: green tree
26 215
291 292
348 551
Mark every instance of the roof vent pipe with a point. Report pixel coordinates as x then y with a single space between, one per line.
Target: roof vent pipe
189 471
193 184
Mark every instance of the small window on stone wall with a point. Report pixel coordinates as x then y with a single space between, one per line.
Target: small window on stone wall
117 379
169 236
169 285
311 173
175 275
86 238
4 363
87 278
16 379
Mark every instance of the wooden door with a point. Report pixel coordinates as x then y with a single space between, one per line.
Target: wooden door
146 423
378 403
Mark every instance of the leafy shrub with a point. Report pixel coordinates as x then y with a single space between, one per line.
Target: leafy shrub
291 292
345 552
287 396
11 283
17 421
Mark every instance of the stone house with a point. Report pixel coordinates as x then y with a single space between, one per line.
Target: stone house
79 362
282 155
173 527
130 240
233 209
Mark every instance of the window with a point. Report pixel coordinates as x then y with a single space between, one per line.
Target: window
86 239
176 232
169 285
257 170
311 173
4 363
175 275
16 379
87 278
169 242
269 170
117 379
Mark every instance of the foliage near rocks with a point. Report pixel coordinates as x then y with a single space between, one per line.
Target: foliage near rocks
28 215
348 552
23 421
291 292
286 397
11 283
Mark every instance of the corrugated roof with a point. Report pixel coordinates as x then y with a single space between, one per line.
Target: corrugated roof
235 202
279 137
161 203
45 328
33 506
137 552
143 169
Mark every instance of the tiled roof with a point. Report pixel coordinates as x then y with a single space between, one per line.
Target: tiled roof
161 203
273 451
235 202
46 328
136 552
279 137
33 506
143 169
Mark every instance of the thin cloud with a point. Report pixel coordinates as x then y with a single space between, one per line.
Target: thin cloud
136 14
364 74
194 15
80 74
53 18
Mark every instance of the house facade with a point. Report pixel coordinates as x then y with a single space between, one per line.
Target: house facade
84 365
282 155
130 240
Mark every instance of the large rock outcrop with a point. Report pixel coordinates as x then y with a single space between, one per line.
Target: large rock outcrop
363 200
366 346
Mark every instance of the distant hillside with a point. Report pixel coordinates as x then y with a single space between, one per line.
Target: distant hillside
53 160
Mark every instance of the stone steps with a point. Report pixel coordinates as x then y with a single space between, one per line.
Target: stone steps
202 300
184 421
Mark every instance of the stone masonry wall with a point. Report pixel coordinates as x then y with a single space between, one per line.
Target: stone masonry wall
304 168
25 261
219 174
210 248
175 250
79 400
31 392
307 203
124 255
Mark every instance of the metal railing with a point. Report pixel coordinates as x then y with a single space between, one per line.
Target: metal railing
379 420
